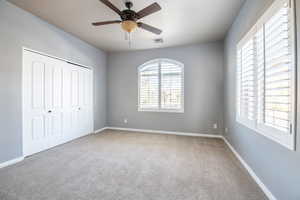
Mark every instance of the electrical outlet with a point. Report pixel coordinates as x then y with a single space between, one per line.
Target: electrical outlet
226 130
215 126
125 121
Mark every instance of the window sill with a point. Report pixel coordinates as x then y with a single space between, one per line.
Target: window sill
161 111
287 142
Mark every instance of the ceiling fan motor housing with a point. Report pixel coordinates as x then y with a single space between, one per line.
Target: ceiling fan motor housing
129 15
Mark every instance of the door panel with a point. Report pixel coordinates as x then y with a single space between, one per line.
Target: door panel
55 136
86 101
38 71
34 89
86 95
75 88
75 124
57 102
67 88
88 82
38 135
81 87
38 129
76 92
81 108
57 86
68 133
48 126
55 112
88 107
67 126
57 124
48 84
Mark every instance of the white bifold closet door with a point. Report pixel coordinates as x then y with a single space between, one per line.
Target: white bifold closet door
57 102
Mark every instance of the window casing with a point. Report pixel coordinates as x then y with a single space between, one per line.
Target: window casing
266 75
161 86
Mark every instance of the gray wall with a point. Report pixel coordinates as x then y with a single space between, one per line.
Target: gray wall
276 166
203 89
17 29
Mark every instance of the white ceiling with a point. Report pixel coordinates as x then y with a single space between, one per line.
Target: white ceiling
182 21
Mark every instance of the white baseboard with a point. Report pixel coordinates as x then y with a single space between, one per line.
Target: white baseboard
100 130
251 172
166 132
11 162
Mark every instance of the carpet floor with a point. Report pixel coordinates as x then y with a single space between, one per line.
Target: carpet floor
118 165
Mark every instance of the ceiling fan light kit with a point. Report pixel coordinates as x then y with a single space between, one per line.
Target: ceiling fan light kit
129 17
129 26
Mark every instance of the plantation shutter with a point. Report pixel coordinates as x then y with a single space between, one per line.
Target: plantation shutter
149 87
239 81
161 85
171 85
246 79
278 71
260 62
266 75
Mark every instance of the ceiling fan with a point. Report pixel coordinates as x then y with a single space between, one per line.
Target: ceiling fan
129 17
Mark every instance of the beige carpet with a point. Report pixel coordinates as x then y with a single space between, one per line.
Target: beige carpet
118 165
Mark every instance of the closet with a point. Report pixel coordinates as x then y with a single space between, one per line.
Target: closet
57 102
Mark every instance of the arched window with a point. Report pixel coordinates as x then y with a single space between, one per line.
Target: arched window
161 86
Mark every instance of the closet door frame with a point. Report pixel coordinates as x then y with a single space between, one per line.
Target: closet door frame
25 49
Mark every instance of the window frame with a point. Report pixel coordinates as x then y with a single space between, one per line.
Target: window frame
287 139
159 109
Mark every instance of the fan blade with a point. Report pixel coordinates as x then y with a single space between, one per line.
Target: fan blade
149 10
149 28
111 6
107 22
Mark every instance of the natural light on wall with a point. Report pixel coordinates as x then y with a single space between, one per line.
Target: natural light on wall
161 86
266 75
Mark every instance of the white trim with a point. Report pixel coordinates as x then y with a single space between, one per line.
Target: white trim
11 162
166 132
250 171
249 36
161 110
100 130
58 58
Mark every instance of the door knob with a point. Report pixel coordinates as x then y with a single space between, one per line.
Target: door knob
49 111
79 108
